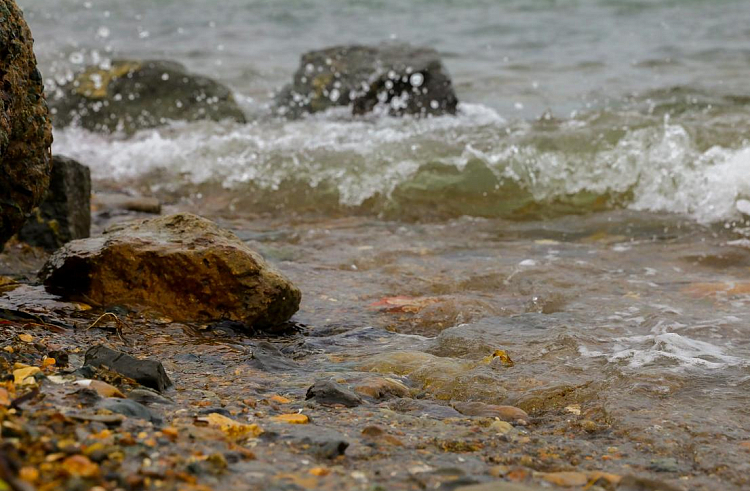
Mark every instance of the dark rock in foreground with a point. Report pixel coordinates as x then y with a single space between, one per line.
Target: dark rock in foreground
25 129
132 95
397 78
183 266
149 373
65 213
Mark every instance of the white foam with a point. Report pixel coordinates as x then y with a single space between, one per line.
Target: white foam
363 157
666 349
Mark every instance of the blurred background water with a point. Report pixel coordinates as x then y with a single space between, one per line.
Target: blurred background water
567 106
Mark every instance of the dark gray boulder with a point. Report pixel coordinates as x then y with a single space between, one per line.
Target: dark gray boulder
25 129
394 78
65 213
131 95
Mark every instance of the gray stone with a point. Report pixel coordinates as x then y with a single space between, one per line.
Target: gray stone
398 78
330 393
65 213
131 95
128 408
149 373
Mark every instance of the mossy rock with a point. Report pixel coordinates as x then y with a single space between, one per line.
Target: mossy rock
131 95
395 78
25 129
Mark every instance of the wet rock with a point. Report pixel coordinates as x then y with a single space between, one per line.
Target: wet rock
131 95
398 78
149 373
129 408
667 464
25 129
183 266
111 201
416 407
268 357
330 449
482 338
65 213
566 479
145 396
504 413
381 388
445 378
498 486
330 393
459 483
632 483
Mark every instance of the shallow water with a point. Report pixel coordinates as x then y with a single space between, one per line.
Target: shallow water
583 211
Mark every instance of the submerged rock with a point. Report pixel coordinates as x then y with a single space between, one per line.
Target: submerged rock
503 413
149 373
400 78
65 213
131 95
183 266
25 129
129 408
330 393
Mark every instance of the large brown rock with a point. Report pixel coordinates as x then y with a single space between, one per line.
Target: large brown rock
25 129
183 266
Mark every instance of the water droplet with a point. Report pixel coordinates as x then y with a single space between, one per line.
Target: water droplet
416 79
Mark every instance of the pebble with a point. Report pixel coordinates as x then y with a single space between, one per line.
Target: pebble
330 393
501 427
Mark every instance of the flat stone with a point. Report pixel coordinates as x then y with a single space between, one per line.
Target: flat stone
633 483
146 396
499 486
416 407
330 393
269 358
65 213
381 388
479 409
149 373
183 266
128 408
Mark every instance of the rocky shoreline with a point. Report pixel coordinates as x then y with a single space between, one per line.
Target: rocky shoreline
166 353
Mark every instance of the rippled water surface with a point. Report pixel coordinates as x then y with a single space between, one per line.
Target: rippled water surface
583 211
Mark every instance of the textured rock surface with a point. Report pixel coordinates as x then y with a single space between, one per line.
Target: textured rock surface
149 373
183 266
25 130
398 78
65 213
132 95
